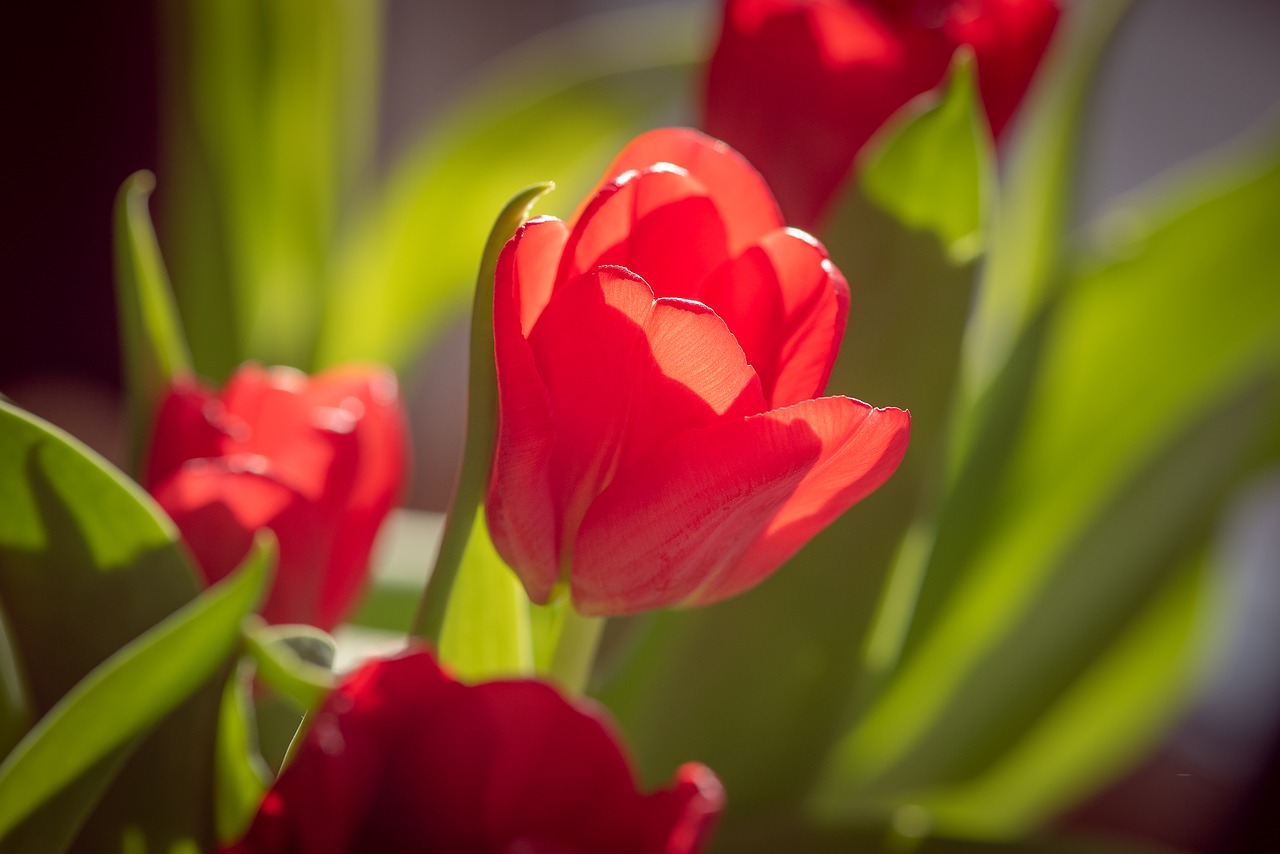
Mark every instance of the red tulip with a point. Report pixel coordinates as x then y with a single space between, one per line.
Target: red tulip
319 461
799 86
403 758
658 441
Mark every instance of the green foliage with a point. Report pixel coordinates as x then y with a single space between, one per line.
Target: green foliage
90 572
130 691
559 108
271 115
1153 395
150 330
908 176
486 628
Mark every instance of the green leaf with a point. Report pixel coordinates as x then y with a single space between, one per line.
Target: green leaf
482 427
150 330
87 564
1105 720
78 541
270 111
1037 198
934 172
242 777
807 625
556 109
486 629
302 682
1154 396
130 691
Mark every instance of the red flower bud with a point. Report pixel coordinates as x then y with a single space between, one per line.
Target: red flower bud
799 86
403 758
658 441
319 461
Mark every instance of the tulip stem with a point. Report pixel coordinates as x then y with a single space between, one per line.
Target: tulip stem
575 650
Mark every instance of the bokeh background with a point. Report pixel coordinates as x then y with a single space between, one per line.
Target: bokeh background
84 96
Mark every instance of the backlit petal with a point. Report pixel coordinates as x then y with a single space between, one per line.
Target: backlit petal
861 446
786 304
624 373
740 194
659 223
521 515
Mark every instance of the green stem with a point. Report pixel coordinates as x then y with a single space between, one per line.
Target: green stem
482 426
575 650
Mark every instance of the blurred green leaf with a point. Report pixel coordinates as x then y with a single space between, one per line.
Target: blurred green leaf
556 109
270 113
1155 394
150 329
933 171
241 774
806 626
486 629
282 669
130 691
1105 720
1037 193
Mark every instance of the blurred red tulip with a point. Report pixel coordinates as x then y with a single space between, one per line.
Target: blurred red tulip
658 441
319 461
799 86
403 758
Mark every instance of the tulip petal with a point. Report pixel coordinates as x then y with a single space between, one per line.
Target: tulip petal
191 423
786 304
541 242
717 510
519 508
218 504
363 401
674 520
744 200
861 447
660 223
402 758
625 373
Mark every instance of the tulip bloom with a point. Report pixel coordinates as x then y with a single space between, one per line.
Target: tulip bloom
319 461
658 357
403 758
799 86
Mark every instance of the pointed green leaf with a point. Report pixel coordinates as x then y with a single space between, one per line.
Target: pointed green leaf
933 171
556 109
482 427
150 330
130 691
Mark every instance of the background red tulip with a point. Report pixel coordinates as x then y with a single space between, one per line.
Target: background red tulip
658 358
799 86
319 461
403 758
